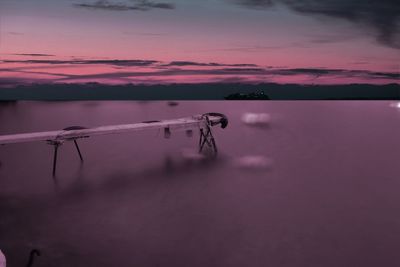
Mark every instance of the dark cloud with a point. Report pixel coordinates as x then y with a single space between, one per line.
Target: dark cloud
167 72
11 82
231 80
145 5
125 63
256 3
337 72
254 48
329 38
360 62
212 64
139 5
159 69
382 15
243 70
238 72
15 33
35 55
150 34
122 62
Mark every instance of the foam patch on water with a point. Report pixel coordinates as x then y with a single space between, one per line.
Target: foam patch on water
254 162
256 119
395 105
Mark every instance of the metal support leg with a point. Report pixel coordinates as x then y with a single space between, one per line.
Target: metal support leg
214 145
201 140
207 138
56 144
77 148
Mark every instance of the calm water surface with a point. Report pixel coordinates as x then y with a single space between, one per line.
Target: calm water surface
329 195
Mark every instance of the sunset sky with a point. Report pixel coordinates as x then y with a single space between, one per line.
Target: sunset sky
168 41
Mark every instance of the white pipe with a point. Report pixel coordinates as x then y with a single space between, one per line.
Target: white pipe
177 124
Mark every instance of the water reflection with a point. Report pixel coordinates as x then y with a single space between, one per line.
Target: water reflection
253 162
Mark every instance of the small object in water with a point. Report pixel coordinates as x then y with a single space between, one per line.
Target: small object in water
256 119
2 259
172 103
253 162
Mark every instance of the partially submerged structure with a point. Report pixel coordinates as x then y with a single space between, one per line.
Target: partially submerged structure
202 123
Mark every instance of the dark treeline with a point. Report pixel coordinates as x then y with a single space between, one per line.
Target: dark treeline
211 91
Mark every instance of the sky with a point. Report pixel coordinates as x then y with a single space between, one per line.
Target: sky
186 41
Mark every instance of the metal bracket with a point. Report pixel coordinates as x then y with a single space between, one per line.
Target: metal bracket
58 143
206 137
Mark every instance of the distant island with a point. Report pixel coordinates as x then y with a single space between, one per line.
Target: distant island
251 96
201 91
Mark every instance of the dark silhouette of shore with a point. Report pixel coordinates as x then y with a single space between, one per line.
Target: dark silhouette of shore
209 91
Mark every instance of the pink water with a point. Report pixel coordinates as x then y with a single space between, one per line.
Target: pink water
329 195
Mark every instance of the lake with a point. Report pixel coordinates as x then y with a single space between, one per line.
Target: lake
317 186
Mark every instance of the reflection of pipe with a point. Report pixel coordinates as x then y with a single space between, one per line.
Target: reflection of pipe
32 257
189 133
167 133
